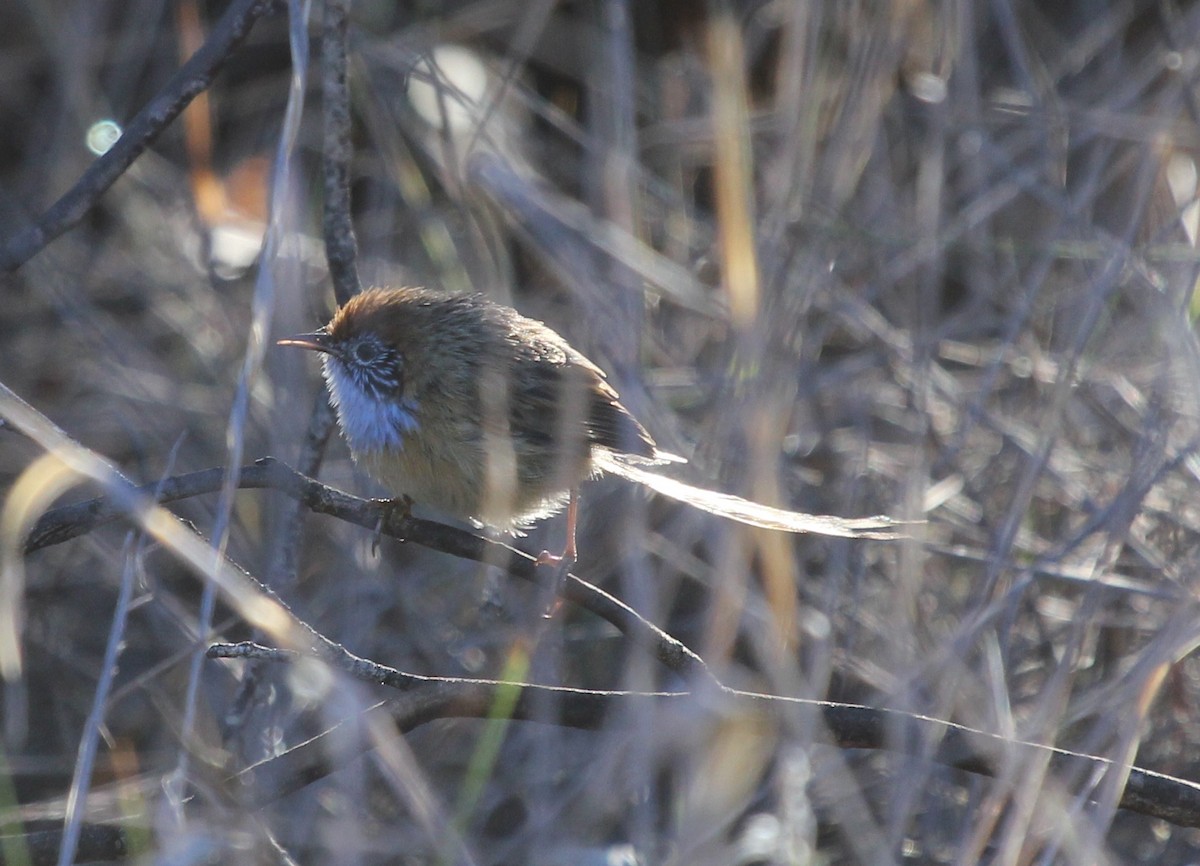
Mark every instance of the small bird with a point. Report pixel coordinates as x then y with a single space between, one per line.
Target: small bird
465 405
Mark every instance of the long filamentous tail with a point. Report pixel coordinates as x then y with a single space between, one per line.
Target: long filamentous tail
743 510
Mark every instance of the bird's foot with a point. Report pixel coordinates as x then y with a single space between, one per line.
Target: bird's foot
562 564
556 559
387 511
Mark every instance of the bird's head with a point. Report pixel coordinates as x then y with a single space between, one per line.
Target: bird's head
364 369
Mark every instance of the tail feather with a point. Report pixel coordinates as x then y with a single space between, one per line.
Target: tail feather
751 513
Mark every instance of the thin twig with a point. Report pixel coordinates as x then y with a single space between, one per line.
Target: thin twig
86 754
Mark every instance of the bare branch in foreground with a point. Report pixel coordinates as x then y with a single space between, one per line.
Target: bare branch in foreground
1171 799
192 78
847 726
71 521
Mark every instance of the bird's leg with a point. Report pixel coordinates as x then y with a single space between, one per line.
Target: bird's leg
387 510
562 562
569 549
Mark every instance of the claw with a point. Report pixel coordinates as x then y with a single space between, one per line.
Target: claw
387 510
569 549
562 562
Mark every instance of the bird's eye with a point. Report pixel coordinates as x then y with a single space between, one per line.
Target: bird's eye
366 352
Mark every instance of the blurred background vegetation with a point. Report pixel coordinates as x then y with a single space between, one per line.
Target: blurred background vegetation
930 259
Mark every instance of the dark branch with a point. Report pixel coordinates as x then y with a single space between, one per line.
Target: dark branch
340 246
316 758
71 521
281 573
848 726
193 77
1146 792
100 843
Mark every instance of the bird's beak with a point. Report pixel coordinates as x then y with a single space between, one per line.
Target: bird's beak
318 341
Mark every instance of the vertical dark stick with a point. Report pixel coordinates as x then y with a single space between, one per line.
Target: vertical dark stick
341 250
281 574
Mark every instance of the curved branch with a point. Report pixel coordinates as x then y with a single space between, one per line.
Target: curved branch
71 521
847 726
192 78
